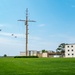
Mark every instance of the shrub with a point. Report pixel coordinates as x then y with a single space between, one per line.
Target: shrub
26 57
5 55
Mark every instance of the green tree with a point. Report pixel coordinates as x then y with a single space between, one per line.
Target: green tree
5 55
61 48
43 51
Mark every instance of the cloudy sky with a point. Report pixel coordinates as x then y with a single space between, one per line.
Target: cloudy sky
55 24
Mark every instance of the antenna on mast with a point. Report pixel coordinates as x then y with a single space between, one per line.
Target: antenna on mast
26 23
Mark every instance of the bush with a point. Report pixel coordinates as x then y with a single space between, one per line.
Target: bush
26 57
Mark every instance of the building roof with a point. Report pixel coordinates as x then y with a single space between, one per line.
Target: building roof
71 44
54 53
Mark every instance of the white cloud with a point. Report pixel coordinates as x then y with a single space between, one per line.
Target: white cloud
59 36
11 46
34 38
42 25
35 42
63 37
1 25
10 41
5 34
10 34
20 35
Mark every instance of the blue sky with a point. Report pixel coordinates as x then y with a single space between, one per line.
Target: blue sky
55 24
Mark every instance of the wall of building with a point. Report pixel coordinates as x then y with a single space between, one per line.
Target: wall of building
70 50
44 54
22 54
30 53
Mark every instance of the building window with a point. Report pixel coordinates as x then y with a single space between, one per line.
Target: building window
72 49
68 50
68 54
72 46
68 46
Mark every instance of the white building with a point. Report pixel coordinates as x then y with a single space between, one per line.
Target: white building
22 54
44 54
70 50
30 53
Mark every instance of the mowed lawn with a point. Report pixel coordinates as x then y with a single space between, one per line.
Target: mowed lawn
37 66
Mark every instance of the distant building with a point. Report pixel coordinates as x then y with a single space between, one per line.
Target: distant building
30 53
40 54
22 54
54 54
70 50
45 54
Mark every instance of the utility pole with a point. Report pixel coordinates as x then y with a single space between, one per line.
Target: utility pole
26 23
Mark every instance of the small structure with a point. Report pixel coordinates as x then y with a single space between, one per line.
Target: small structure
22 54
54 54
45 54
70 50
32 53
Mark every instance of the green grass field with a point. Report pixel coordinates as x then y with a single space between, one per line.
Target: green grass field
37 66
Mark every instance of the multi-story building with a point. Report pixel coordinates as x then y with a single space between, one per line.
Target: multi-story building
70 50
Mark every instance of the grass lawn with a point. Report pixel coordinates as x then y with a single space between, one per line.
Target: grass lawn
37 66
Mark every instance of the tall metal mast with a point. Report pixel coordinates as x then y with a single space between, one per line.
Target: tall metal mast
26 23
